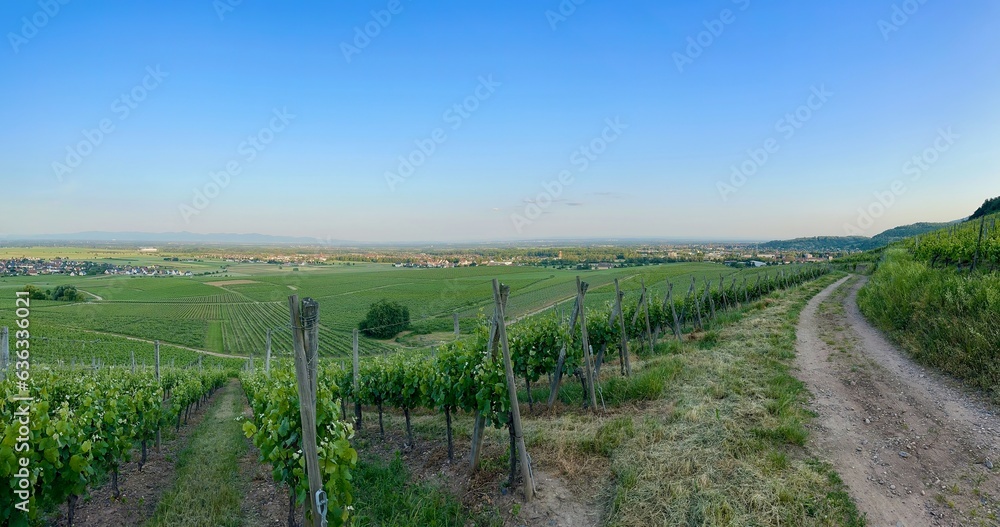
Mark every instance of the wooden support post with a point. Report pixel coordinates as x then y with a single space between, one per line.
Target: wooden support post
267 355
588 364
132 353
710 298
4 352
645 311
673 310
722 289
156 357
457 330
357 384
305 329
623 351
554 384
515 411
479 428
697 306
979 242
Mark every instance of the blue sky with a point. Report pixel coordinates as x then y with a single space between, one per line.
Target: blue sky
820 108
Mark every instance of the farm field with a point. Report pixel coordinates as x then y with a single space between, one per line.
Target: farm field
231 313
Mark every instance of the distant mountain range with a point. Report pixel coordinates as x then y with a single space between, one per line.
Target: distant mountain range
852 243
175 237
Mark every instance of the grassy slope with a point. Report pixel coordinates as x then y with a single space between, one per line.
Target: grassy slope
945 319
704 433
207 490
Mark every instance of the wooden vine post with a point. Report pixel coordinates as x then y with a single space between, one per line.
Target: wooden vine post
267 356
623 350
515 411
5 352
561 361
711 299
979 242
588 363
645 311
156 357
305 340
669 299
479 426
357 384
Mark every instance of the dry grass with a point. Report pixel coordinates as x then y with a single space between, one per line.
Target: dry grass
710 432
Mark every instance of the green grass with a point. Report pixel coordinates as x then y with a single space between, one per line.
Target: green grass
234 318
723 444
387 498
207 489
943 318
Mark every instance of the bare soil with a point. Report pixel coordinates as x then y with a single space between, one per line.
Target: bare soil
559 501
913 446
140 490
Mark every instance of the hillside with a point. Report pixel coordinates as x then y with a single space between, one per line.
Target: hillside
988 207
852 243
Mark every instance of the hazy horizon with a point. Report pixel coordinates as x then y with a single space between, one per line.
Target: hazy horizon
392 121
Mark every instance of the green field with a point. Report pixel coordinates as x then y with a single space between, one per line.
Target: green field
231 312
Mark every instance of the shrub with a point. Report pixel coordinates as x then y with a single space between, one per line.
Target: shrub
385 319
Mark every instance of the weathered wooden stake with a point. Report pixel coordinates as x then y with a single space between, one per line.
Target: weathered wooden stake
645 311
4 351
673 310
561 361
156 357
623 350
979 242
515 411
357 384
305 332
267 355
588 363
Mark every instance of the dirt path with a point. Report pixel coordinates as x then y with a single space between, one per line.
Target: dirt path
137 339
140 489
207 488
912 447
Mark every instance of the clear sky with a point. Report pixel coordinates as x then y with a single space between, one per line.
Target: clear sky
417 120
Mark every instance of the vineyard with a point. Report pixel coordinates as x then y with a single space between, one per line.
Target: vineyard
234 316
960 245
82 425
467 376
97 402
937 295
